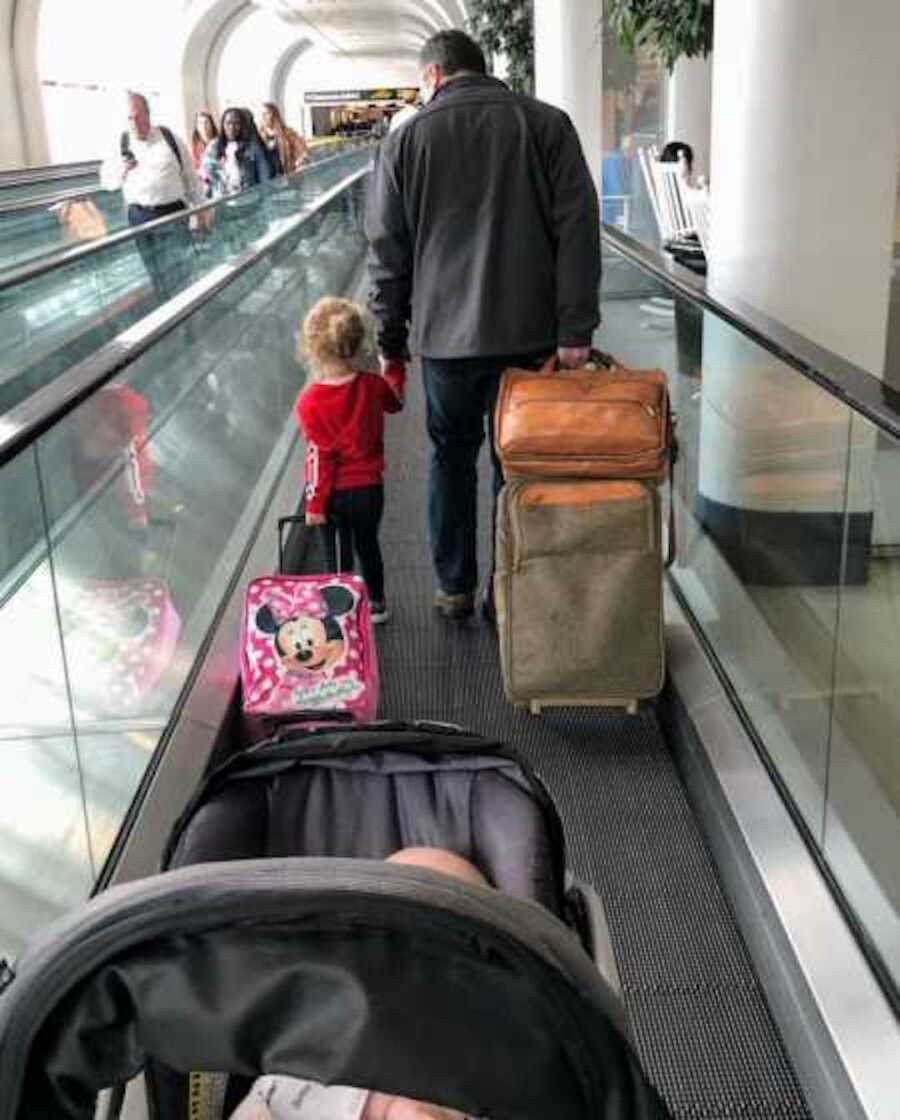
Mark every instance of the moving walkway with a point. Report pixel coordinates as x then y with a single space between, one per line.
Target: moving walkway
100 772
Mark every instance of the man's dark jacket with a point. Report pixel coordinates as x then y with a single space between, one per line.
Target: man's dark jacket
483 216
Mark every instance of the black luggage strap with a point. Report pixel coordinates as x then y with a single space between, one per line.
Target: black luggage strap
671 543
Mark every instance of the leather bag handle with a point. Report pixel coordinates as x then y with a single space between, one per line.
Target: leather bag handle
597 359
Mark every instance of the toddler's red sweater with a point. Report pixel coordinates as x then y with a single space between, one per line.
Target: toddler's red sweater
344 429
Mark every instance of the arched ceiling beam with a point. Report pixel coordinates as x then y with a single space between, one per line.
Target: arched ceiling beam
285 63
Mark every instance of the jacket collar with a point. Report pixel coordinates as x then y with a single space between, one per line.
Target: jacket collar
468 81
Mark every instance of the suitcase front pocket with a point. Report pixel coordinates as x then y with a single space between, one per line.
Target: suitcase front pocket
561 518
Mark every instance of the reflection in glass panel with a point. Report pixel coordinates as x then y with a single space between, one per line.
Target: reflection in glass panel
35 228
634 91
862 829
49 323
760 497
153 489
45 858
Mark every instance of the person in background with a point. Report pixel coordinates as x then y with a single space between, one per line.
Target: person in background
676 151
204 133
406 114
341 412
236 160
286 147
153 169
453 276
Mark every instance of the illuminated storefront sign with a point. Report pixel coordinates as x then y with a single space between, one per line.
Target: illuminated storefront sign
343 96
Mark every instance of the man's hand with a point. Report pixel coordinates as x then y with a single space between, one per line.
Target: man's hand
315 518
392 365
573 357
201 221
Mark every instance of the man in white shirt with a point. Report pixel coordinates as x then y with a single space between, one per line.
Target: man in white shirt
154 171
405 114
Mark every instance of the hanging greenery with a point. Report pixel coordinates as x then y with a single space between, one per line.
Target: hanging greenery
507 27
670 29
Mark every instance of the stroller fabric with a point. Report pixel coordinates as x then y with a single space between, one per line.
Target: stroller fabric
367 791
346 972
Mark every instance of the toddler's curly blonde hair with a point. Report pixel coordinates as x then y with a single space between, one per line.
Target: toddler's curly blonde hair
333 331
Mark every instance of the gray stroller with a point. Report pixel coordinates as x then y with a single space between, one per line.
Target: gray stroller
277 941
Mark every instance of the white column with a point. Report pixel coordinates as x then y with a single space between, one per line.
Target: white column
805 140
568 67
689 108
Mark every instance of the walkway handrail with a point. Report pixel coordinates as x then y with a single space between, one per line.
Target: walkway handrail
45 202
34 416
40 266
861 391
26 176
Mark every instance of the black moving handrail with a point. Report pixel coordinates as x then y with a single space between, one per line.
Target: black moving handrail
840 378
29 420
40 266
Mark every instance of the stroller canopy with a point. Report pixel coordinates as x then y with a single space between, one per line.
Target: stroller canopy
365 791
350 972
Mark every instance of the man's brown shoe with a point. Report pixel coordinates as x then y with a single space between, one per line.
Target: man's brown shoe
459 605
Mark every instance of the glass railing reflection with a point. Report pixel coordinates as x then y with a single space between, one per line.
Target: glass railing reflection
144 499
43 218
788 508
56 319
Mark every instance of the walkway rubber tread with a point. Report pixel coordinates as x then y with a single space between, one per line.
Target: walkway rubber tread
699 1018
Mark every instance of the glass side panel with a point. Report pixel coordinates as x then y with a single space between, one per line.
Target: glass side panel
788 508
45 858
55 320
635 88
31 192
760 497
153 488
862 827
36 220
57 223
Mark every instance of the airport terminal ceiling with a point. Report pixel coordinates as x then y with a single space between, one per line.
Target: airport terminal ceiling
193 55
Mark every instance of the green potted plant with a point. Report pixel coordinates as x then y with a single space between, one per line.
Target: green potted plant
670 29
507 27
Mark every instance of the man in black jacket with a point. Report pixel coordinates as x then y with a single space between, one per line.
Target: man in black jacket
483 228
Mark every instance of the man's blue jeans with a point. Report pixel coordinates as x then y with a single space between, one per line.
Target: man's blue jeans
460 394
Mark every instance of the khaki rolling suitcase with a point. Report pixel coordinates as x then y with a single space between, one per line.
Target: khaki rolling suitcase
578 591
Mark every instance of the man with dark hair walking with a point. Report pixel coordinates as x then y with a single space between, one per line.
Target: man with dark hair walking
483 227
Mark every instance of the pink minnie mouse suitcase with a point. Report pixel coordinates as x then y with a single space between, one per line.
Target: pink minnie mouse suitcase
307 646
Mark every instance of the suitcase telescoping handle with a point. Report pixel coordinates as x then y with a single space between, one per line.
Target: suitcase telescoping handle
300 519
596 360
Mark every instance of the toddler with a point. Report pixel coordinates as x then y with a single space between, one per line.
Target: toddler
341 413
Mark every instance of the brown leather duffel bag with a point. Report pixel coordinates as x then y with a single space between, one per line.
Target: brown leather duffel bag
603 421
